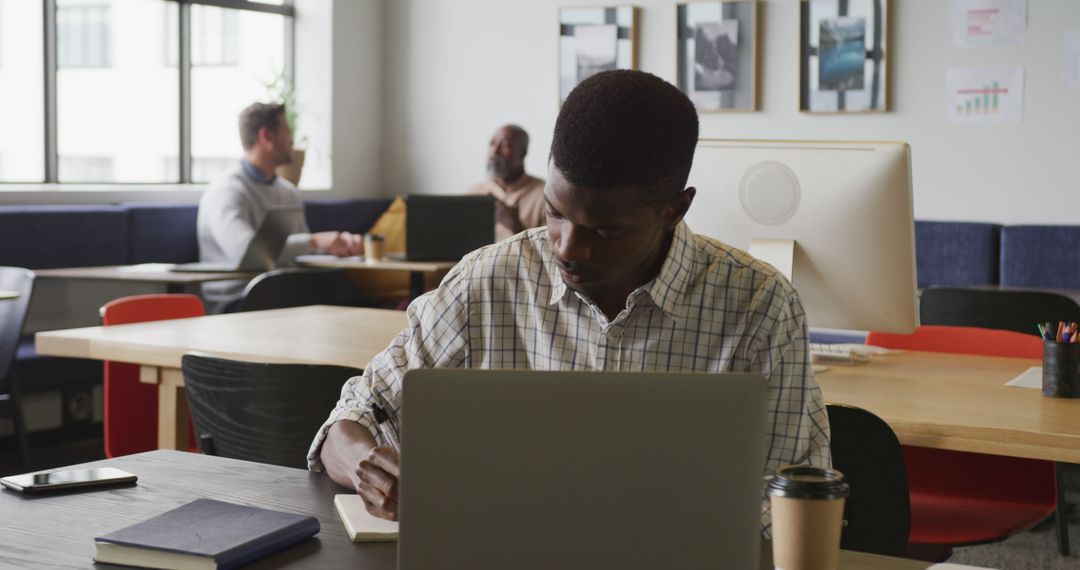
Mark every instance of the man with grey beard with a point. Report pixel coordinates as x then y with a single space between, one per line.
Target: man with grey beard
519 198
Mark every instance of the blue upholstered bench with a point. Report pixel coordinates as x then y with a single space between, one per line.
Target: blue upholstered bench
1040 256
40 237
957 254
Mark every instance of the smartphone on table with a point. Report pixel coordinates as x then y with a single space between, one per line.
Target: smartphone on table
67 479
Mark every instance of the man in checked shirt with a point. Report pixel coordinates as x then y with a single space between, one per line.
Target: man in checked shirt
616 281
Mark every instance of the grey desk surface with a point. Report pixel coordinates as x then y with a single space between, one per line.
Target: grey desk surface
57 531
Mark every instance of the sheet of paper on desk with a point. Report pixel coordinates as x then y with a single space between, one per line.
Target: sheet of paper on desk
359 524
1030 378
147 268
947 566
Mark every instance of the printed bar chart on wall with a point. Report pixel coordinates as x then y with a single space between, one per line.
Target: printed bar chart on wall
985 96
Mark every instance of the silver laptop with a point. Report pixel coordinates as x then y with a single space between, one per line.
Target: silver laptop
263 249
519 469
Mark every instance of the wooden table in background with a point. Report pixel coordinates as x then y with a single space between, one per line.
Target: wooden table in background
317 334
168 479
416 269
174 281
944 401
959 402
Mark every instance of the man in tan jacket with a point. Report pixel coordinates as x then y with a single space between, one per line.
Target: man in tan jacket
519 198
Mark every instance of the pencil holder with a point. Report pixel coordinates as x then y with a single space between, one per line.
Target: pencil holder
1061 370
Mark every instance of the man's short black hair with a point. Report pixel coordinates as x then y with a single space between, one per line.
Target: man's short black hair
626 128
257 116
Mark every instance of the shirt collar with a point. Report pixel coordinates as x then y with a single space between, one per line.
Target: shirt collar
254 174
666 289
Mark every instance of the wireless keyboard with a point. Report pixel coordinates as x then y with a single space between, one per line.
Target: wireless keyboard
845 352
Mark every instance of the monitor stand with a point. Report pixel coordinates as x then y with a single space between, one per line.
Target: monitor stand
780 253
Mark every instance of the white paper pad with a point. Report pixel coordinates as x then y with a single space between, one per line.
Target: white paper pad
947 566
359 524
1030 378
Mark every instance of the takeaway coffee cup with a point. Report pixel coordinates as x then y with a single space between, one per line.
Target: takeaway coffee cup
1061 370
807 515
374 247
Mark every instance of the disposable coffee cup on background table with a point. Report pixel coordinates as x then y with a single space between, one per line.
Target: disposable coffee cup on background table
807 517
374 247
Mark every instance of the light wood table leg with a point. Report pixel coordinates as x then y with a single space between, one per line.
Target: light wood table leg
173 414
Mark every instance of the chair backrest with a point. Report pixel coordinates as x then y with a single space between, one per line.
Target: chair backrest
1009 310
155 307
260 412
283 288
131 414
13 316
962 340
878 512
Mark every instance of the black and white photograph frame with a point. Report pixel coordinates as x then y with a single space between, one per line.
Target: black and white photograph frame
595 39
717 54
843 56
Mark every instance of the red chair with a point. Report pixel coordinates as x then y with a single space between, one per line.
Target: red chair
131 409
960 498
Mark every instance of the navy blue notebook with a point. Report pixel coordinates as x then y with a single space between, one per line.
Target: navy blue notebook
205 534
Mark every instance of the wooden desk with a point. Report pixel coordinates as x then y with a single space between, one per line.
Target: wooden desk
318 334
6 295
174 281
416 269
959 402
58 531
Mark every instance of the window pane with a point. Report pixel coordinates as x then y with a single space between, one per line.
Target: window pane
235 56
117 97
22 92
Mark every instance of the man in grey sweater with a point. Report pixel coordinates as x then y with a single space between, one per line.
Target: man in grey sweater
237 200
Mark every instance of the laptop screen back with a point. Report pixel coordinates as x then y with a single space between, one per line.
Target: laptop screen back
518 469
446 227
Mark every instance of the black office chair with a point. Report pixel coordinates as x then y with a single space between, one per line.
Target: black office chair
1011 310
1002 309
260 412
864 448
283 288
12 318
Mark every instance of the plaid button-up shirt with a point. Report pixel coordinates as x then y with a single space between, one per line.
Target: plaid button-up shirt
711 308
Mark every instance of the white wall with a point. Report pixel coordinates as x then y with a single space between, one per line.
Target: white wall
455 69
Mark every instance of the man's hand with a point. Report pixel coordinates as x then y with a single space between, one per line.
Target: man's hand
341 244
507 216
376 482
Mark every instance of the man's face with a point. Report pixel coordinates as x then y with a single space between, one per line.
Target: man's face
280 143
506 153
607 240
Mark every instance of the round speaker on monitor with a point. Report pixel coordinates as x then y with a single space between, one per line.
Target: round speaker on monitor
770 193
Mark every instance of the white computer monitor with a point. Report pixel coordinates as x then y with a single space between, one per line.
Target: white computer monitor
835 217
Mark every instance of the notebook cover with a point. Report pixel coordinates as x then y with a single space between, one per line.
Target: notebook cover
232 535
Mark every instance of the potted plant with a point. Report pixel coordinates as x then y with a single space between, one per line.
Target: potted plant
281 91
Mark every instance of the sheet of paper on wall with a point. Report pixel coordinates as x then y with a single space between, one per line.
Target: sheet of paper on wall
1071 59
983 22
984 95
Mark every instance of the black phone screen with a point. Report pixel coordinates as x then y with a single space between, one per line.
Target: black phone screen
56 480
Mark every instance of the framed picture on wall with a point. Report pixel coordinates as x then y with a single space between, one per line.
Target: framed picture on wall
717 54
592 40
843 56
